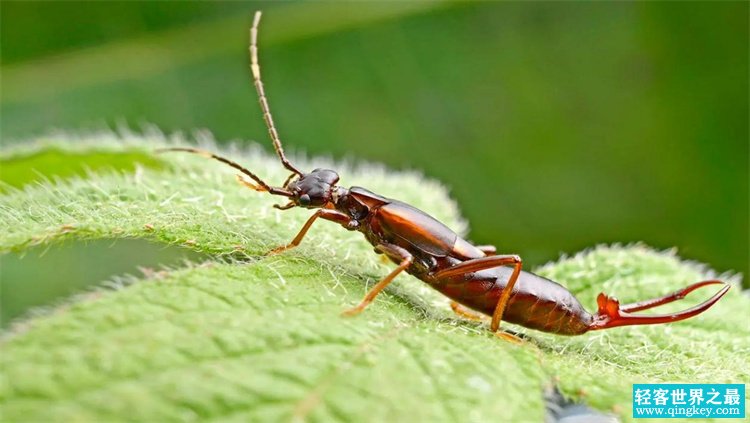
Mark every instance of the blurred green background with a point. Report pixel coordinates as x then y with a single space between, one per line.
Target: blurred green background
556 126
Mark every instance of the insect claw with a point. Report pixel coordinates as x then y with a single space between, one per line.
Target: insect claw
350 312
277 250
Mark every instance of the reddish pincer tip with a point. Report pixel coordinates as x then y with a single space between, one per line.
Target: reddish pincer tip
612 314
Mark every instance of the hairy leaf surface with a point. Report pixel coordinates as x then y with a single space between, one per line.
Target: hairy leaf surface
248 337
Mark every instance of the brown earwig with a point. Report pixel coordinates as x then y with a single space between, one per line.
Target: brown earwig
472 276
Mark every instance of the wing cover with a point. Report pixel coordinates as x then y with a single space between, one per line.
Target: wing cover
417 228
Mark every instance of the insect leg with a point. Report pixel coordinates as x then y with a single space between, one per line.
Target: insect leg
406 260
467 313
332 215
475 265
488 263
289 179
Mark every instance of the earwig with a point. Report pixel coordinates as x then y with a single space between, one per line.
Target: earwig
474 277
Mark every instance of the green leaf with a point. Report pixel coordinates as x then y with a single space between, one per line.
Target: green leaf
21 168
258 342
248 337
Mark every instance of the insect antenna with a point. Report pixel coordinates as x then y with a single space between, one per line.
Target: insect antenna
262 185
255 67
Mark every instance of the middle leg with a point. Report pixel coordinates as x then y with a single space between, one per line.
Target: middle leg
332 215
391 250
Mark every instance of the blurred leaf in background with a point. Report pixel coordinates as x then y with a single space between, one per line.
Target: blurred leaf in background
556 125
44 275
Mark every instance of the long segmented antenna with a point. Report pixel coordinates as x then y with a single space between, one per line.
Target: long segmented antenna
262 185
255 67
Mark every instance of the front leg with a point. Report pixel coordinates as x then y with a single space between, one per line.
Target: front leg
327 214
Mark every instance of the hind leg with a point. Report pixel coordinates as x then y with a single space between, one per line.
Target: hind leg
467 313
489 262
470 314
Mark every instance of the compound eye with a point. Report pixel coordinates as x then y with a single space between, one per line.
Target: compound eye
304 200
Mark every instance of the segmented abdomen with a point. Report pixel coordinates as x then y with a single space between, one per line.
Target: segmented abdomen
537 303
